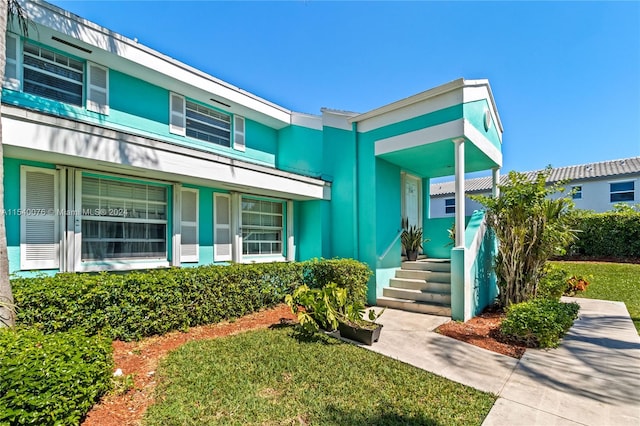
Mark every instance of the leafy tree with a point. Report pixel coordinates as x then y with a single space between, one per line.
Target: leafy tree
9 10
531 226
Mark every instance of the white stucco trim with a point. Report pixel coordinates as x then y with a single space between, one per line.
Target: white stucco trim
420 137
81 31
337 119
52 139
306 120
482 143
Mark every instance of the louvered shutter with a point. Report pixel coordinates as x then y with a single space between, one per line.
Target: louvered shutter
39 233
177 115
238 133
222 227
97 88
189 246
12 69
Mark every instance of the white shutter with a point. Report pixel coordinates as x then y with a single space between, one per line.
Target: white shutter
222 227
189 245
97 88
12 68
39 234
238 133
177 114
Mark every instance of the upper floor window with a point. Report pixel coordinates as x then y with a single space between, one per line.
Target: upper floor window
577 192
46 73
208 124
52 75
450 205
622 191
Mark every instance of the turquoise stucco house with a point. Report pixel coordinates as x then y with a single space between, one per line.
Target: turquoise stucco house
117 157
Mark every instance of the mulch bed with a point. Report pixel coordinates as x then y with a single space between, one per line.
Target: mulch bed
484 331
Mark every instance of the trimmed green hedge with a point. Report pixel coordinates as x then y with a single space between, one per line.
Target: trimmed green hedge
138 304
51 379
540 322
609 234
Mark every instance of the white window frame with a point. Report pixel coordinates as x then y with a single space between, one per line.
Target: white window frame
449 206
195 257
116 263
632 191
229 140
82 82
576 192
283 239
28 214
91 104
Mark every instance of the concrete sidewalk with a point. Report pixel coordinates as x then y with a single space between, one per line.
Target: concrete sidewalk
593 378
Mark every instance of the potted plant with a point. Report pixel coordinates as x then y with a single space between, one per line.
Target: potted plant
358 329
327 308
412 241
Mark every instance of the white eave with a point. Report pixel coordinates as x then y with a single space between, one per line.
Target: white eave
80 31
460 83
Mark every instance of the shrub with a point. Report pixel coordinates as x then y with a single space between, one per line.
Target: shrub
345 273
51 379
553 283
609 234
138 304
576 284
539 322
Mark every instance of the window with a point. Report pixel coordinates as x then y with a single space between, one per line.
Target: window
577 192
450 205
52 75
123 220
261 227
207 124
622 191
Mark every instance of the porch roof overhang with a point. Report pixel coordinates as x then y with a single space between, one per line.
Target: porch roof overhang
35 136
417 133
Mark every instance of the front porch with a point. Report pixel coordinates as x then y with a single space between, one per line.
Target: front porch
451 130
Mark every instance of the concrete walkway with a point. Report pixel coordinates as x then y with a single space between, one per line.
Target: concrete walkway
593 378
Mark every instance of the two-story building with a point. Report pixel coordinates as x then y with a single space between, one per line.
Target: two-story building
117 157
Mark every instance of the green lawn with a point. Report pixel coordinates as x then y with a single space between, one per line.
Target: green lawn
268 377
611 281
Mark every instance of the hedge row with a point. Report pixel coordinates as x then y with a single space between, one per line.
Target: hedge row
609 234
51 379
138 304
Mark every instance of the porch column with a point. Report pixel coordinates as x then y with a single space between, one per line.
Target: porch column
495 175
460 208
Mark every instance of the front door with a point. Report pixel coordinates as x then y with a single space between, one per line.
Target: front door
412 199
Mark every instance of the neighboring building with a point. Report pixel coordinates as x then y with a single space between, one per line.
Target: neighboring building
594 186
117 157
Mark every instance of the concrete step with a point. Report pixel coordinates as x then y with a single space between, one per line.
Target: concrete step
431 276
435 265
414 306
417 295
420 284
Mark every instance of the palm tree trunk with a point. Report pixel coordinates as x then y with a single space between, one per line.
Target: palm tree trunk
7 313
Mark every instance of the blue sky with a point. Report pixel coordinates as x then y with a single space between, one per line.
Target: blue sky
566 76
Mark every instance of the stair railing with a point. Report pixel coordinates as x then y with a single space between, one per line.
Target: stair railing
390 246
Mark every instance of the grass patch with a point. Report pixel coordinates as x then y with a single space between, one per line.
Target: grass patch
611 281
268 377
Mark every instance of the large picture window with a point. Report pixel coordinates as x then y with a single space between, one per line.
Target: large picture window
208 124
123 220
52 75
261 227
